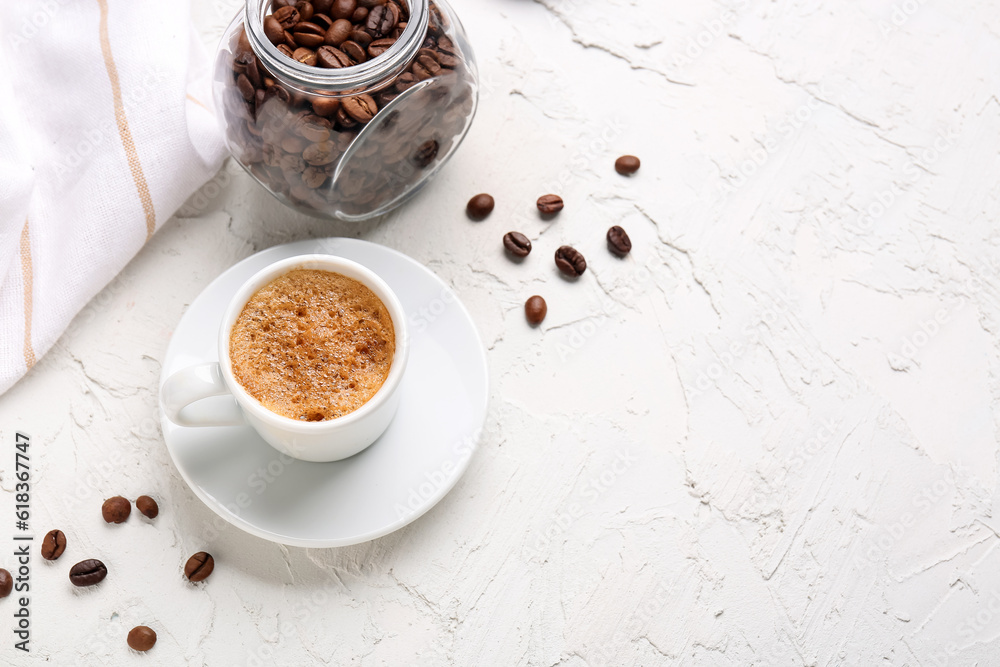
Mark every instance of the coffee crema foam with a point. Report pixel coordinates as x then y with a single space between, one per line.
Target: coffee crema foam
312 345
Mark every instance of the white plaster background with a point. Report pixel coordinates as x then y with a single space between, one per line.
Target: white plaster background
796 369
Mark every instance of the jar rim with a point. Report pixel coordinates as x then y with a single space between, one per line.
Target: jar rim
338 80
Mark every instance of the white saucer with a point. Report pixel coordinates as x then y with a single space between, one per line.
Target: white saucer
413 465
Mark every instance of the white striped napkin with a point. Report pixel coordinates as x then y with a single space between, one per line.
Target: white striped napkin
106 128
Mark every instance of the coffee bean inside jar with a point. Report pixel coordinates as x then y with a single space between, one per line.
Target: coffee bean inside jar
345 108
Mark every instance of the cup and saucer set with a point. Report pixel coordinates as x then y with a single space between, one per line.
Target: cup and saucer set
345 480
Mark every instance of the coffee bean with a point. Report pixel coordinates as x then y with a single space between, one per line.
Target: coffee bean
314 176
245 87
380 46
253 71
273 30
382 20
570 261
445 45
306 10
426 153
199 566
535 310
360 15
325 106
338 33
322 6
449 61
627 165
323 21
314 129
425 67
430 53
304 55
361 37
147 506
618 241
517 244
88 572
550 204
116 510
354 50
479 206
287 50
307 28
53 544
343 9
405 81
361 108
6 583
287 17
328 56
309 40
344 121
278 92
141 638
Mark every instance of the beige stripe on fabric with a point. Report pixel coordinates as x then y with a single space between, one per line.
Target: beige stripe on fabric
198 102
27 276
123 131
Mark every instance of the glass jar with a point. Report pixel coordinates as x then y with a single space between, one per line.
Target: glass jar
359 139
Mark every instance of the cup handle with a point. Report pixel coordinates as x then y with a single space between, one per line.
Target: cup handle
192 384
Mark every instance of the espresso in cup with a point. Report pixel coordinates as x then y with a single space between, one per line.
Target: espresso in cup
312 345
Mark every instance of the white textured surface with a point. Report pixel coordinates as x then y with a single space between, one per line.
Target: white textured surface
748 443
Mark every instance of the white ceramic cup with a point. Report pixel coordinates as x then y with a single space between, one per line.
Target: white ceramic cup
332 440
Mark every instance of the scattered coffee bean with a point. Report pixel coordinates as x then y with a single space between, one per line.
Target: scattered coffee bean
550 204
570 261
6 583
479 206
88 572
517 244
147 506
141 638
535 309
116 510
53 544
627 165
618 241
199 566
